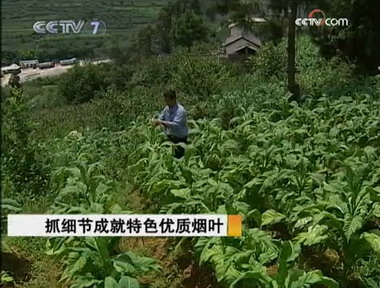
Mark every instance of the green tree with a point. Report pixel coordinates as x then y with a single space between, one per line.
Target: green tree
83 83
8 56
195 6
119 54
145 41
293 87
14 81
189 29
242 13
163 39
19 152
181 16
27 54
360 40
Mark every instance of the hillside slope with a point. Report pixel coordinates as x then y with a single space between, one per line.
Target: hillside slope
122 18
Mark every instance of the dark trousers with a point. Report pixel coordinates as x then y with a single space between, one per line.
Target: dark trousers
179 151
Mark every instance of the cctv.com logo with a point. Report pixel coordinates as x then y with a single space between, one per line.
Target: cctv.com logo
311 20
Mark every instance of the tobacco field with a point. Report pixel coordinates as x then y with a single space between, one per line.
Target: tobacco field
305 177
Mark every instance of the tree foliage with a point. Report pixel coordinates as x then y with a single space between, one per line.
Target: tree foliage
179 23
360 40
189 29
83 83
25 175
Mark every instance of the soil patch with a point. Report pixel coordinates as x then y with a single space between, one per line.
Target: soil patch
327 261
18 268
178 272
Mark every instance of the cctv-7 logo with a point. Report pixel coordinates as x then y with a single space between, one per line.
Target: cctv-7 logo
96 25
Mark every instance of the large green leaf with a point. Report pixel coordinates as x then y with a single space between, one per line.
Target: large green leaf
86 282
374 241
11 205
116 209
271 217
212 253
144 264
5 278
79 265
302 222
128 282
317 178
96 208
376 210
110 282
330 219
241 207
371 283
253 277
226 271
352 224
371 152
10 208
123 264
102 189
102 246
5 247
315 235
231 251
314 277
253 182
289 253
76 172
182 193
132 264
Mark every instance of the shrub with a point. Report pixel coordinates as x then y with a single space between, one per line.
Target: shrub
189 29
83 83
115 110
318 75
154 72
46 97
270 61
244 93
19 163
315 74
200 77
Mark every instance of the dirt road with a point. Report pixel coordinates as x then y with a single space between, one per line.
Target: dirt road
32 74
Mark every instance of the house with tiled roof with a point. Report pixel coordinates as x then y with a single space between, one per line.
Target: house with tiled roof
240 43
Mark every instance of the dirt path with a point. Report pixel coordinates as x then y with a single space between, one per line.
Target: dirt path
180 269
32 74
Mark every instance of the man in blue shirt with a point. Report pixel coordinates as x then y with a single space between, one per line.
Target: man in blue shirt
174 120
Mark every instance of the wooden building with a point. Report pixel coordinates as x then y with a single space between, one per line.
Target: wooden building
241 43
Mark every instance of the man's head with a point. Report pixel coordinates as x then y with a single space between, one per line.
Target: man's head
170 98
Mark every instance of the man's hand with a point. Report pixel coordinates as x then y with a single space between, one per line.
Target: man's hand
156 122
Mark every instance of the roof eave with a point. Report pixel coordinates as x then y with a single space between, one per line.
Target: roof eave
247 46
242 37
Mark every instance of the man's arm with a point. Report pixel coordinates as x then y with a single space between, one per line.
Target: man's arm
160 119
177 119
162 115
